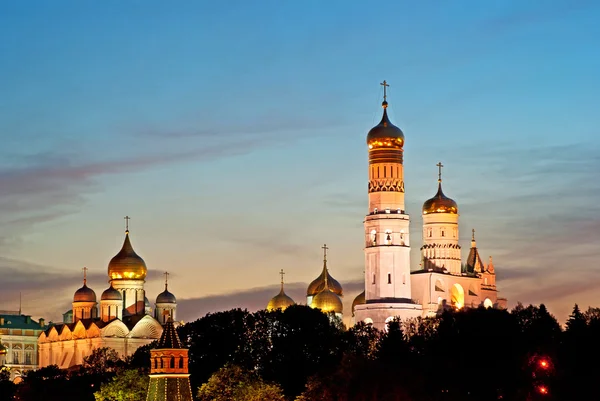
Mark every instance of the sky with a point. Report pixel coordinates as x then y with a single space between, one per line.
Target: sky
233 134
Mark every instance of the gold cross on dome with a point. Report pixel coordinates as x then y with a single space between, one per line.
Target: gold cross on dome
385 86
324 248
166 274
440 165
281 273
127 218
84 270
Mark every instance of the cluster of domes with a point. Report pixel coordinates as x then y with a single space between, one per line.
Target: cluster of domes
125 265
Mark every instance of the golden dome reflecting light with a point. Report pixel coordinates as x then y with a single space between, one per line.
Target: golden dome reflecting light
385 134
440 203
281 300
318 284
127 265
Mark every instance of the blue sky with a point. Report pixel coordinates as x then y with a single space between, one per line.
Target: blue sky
233 134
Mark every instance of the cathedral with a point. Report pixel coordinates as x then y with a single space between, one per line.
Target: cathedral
391 288
124 320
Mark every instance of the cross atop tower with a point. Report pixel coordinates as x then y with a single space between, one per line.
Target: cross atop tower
281 273
440 165
166 274
473 234
127 218
385 86
84 270
324 248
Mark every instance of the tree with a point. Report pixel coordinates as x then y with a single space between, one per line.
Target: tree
233 383
7 387
127 385
102 360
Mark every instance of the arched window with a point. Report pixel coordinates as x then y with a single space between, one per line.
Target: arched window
161 363
172 364
373 278
368 321
180 362
155 363
389 278
374 235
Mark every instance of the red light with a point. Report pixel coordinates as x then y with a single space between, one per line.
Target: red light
543 389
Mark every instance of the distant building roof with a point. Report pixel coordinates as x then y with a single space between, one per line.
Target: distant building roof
15 321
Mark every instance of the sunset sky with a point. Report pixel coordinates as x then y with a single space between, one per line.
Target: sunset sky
233 134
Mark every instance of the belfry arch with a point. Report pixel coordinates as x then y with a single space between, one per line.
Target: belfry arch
457 296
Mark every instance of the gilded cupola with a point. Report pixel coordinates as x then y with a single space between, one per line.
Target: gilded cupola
440 203
281 300
84 294
127 265
359 300
385 135
318 284
327 300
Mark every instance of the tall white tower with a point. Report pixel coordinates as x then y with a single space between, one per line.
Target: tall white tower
387 238
440 251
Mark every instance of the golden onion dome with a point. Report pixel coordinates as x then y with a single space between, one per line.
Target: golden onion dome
440 203
327 301
318 284
3 350
280 301
127 265
359 300
84 294
111 294
385 134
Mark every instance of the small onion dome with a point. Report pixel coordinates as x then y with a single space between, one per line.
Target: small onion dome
111 294
166 297
147 303
3 350
327 301
359 300
385 134
127 265
280 301
84 294
440 203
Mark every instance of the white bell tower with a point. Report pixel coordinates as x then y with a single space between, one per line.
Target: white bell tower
387 237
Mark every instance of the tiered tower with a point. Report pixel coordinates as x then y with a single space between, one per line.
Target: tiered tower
387 239
440 251
169 377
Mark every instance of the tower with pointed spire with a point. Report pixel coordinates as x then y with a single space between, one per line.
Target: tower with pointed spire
387 236
169 376
281 300
440 250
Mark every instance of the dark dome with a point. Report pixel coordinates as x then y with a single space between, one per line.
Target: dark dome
385 134
166 297
84 294
111 294
440 203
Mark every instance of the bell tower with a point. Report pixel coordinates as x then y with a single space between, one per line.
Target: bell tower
387 236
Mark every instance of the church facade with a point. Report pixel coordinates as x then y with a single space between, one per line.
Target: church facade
443 281
124 320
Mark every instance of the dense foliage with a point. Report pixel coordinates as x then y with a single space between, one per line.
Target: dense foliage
302 354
